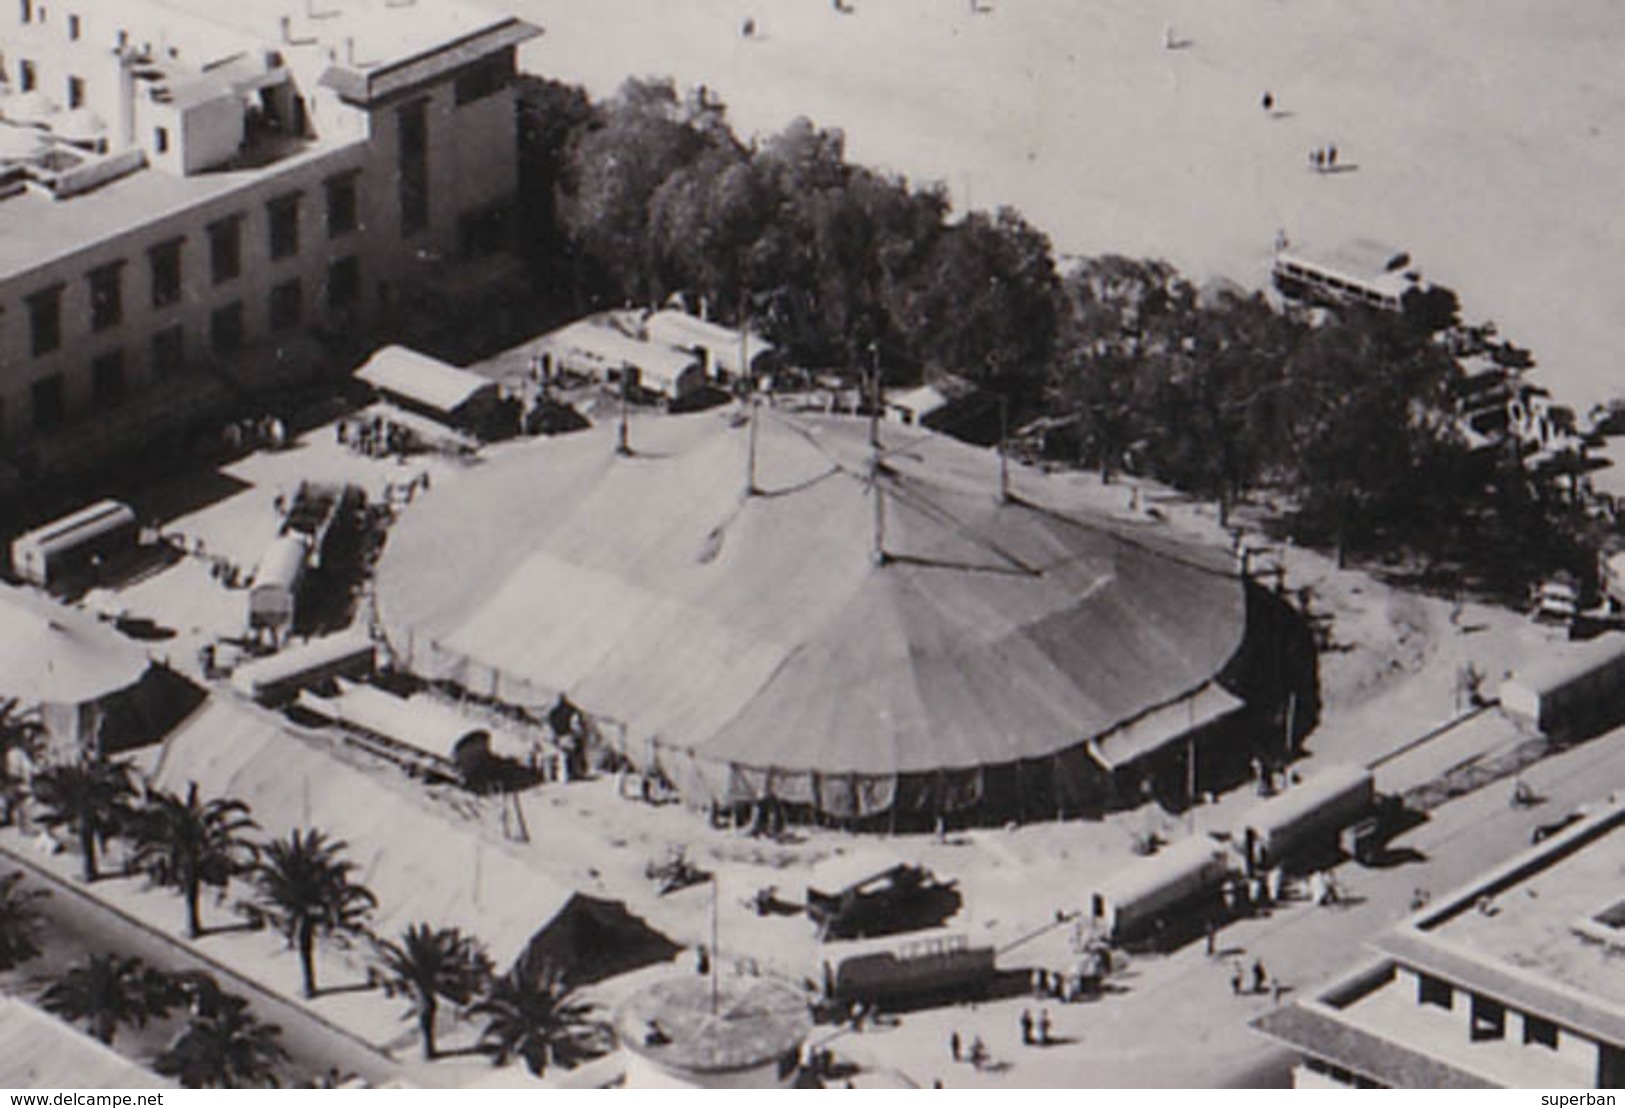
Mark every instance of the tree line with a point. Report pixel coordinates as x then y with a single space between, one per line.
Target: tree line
1346 416
304 886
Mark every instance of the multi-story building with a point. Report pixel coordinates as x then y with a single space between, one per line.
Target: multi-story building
189 184
1512 981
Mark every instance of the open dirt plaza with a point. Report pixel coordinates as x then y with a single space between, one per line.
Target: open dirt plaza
1484 138
1390 678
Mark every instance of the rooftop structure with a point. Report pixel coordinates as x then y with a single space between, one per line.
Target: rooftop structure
185 182
955 653
691 1032
723 347
607 346
52 653
1512 980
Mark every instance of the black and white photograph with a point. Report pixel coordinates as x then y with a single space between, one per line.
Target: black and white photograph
669 545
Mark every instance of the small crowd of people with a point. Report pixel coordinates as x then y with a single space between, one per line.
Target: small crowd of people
373 436
1035 1032
1260 979
976 1053
1323 159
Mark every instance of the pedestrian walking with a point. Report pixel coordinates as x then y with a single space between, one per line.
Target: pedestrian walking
1260 977
1268 101
1331 155
1212 935
1235 978
978 1052
1026 1028
1043 1027
955 1046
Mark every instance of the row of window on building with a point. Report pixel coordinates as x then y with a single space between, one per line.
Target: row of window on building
1488 1017
28 81
164 261
228 333
30 12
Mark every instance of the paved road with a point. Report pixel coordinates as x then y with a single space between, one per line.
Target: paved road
79 924
1303 945
1175 1021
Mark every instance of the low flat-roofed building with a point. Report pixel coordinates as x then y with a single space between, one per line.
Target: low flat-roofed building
455 397
1511 981
725 350
606 346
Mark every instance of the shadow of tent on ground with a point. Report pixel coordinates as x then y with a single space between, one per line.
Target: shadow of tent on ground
591 939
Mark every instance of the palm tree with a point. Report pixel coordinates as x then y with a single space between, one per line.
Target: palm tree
187 844
534 1015
223 1045
20 921
108 991
92 796
23 732
304 886
429 964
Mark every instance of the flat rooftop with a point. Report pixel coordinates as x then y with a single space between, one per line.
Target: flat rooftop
1540 922
1545 932
383 31
36 229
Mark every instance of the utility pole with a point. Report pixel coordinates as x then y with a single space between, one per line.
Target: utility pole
876 397
878 553
623 445
716 955
750 459
1004 449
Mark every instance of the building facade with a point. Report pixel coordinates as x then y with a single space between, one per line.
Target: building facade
199 189
1512 981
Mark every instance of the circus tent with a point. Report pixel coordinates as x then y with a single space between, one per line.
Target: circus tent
930 648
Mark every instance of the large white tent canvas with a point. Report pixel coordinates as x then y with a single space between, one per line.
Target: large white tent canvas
754 646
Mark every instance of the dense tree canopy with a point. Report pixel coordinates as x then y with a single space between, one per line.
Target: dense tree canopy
1347 414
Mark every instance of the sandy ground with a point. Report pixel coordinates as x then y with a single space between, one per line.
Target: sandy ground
1390 679
1484 137
233 513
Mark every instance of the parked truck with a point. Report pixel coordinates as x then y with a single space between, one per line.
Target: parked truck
945 968
1185 877
1310 814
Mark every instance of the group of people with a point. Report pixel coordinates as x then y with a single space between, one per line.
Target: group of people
976 1054
1260 978
374 436
1323 159
1035 1032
